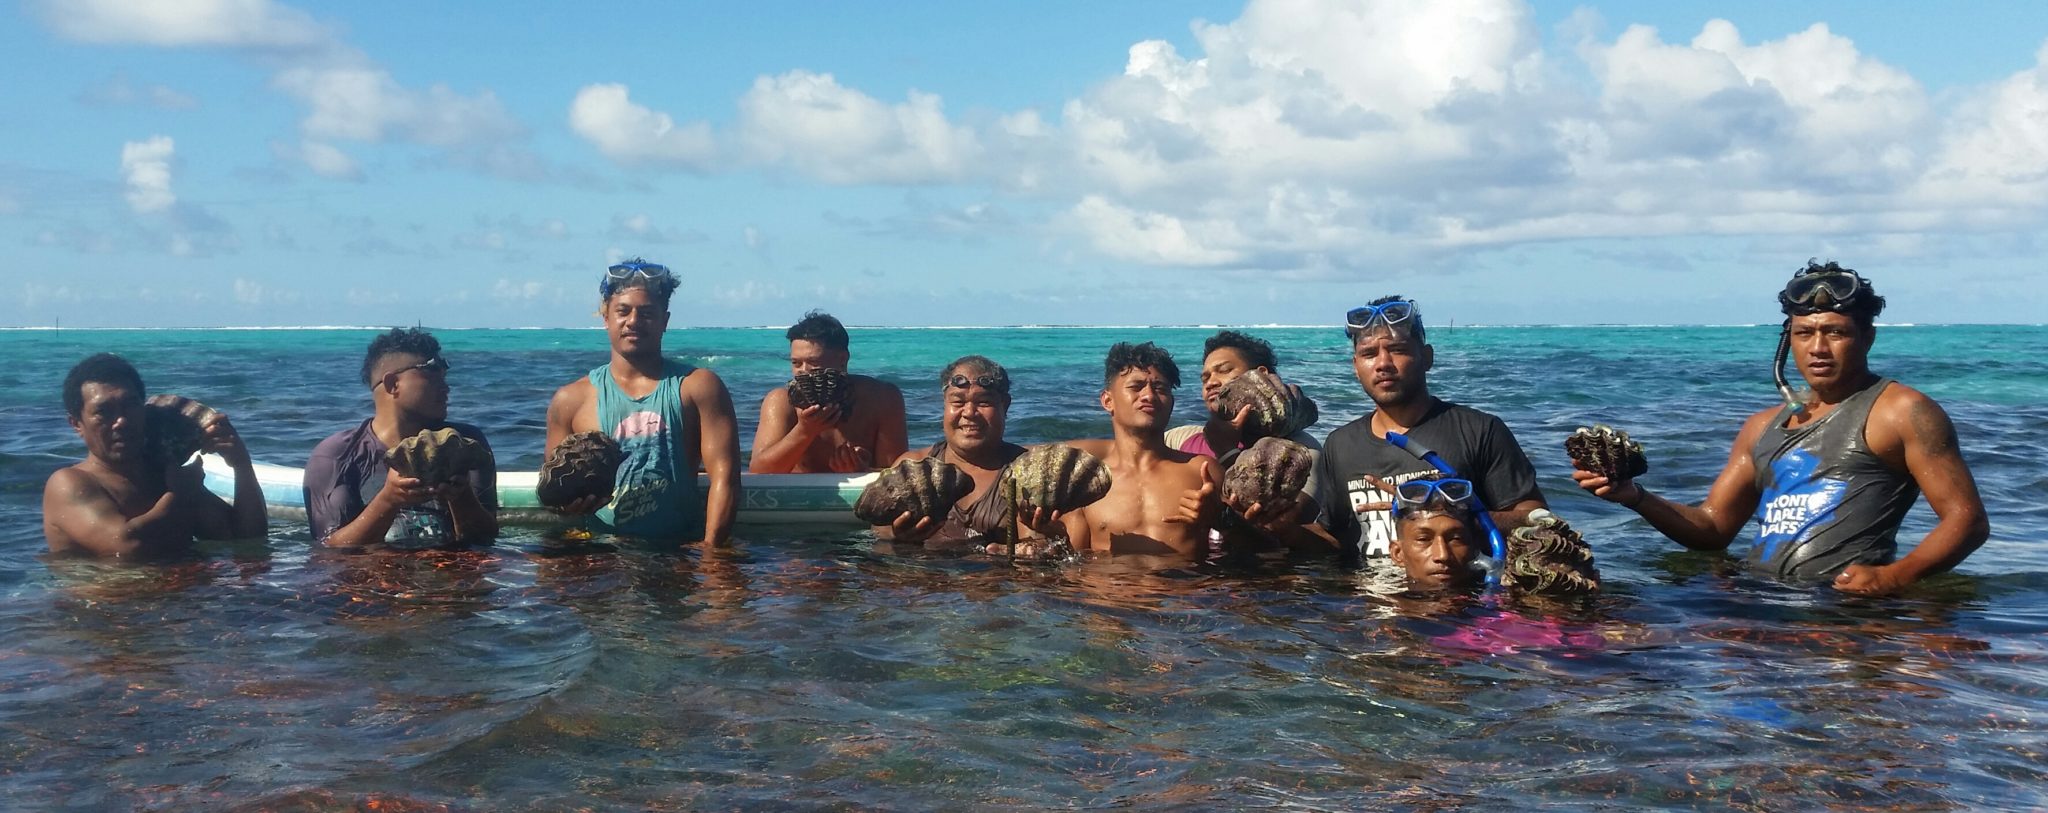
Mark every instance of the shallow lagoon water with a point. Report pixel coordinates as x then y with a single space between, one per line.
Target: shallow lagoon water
801 670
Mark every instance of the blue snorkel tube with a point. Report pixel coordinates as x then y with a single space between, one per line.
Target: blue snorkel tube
1494 540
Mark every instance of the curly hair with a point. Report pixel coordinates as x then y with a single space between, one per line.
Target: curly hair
99 368
1126 356
1256 351
408 340
820 328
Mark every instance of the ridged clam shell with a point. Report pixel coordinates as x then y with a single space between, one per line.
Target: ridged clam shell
1547 556
926 488
585 464
1271 471
174 427
1055 478
824 385
1275 411
436 455
1606 451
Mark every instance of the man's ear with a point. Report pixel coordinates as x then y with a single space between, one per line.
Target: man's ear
1428 356
1105 400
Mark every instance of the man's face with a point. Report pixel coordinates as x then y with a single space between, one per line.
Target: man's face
1140 399
808 356
416 385
974 418
635 320
1222 366
1435 550
1391 366
1829 348
110 422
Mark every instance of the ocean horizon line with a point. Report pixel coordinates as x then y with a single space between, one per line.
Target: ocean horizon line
1201 326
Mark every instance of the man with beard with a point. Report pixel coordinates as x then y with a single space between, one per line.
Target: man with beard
1391 358
121 501
668 417
354 499
1828 476
1161 500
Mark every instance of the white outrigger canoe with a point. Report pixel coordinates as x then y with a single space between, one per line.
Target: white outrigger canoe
765 499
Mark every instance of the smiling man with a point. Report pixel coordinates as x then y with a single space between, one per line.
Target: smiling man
1829 475
668 417
121 500
353 499
1392 359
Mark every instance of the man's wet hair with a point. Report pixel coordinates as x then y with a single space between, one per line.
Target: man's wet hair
1126 356
820 328
977 366
1413 325
1255 350
399 340
99 368
1863 309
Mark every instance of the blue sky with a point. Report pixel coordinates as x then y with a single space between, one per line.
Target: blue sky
252 162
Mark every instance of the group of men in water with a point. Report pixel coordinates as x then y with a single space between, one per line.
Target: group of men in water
1829 475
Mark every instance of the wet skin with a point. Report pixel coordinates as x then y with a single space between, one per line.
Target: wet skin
1161 500
818 438
1436 551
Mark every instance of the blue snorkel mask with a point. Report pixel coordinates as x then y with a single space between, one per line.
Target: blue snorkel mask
655 277
1465 494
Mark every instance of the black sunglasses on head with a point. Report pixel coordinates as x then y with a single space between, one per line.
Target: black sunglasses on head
987 382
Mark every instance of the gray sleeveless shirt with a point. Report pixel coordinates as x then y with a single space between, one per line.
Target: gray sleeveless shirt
1828 502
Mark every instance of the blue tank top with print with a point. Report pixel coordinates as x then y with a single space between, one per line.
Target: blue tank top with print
656 494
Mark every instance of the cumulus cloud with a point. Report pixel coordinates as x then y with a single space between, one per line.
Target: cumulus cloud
633 135
147 167
810 123
184 23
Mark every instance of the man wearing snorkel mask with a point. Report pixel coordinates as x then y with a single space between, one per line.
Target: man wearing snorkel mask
1829 474
1391 358
668 417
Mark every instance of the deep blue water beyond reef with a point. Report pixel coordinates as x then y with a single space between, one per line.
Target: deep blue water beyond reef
799 671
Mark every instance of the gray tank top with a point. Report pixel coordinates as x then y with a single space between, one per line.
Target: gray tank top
1828 502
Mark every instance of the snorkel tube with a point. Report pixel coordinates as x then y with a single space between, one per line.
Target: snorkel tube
1497 545
1793 403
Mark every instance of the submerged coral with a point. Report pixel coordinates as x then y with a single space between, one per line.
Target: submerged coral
924 488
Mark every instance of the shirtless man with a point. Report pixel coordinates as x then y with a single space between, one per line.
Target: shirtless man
669 418
1161 500
976 393
1828 479
818 438
121 502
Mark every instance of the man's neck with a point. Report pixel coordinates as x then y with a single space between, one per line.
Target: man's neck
392 425
645 365
1402 416
1843 389
1137 444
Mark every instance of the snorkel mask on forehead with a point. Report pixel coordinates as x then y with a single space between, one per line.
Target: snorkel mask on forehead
1815 289
654 276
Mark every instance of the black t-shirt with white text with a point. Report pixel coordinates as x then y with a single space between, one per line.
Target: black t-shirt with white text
1477 444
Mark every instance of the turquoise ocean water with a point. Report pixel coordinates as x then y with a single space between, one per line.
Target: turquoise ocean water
800 671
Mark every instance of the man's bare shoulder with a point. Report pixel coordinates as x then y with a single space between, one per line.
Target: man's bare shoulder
777 398
71 482
1899 400
575 392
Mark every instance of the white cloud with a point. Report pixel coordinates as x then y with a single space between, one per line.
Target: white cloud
364 103
323 159
119 91
633 135
641 229
183 23
147 167
811 123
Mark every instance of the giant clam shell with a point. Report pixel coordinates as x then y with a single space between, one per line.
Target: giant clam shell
1608 452
585 464
1547 556
436 456
926 488
1276 410
823 385
1273 471
1055 478
174 427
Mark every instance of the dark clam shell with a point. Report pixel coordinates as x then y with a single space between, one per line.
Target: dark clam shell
174 427
1272 471
585 464
1055 478
1547 556
1276 410
926 488
1606 451
436 455
823 386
